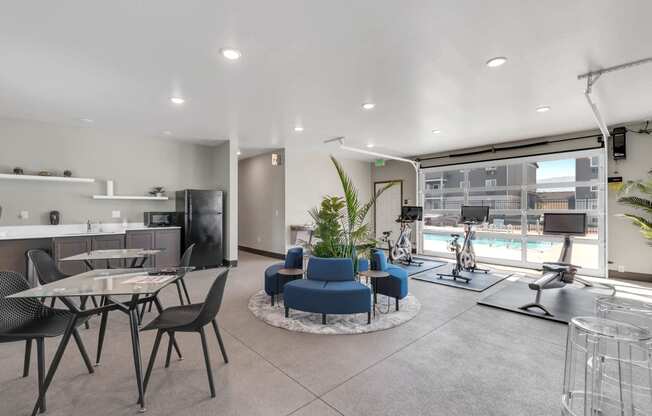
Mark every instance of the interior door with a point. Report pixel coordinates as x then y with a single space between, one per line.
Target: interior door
388 209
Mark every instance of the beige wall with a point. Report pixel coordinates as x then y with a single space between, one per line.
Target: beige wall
225 177
261 203
135 163
627 247
309 176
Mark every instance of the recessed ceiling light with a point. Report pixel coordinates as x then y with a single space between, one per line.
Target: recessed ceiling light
496 62
177 100
436 131
543 109
167 132
298 129
368 106
370 145
238 153
231 54
86 120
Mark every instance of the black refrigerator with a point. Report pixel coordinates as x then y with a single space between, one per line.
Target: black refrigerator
201 214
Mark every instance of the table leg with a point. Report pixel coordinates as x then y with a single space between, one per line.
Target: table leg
135 344
133 262
373 283
55 363
108 263
100 338
89 265
82 306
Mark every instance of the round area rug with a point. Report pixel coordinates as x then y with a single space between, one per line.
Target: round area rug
386 316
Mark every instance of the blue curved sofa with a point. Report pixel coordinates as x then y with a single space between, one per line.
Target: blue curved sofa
274 284
396 286
330 288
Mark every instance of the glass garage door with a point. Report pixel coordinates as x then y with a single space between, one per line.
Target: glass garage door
518 192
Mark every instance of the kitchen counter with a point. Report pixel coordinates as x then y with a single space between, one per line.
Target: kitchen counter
22 232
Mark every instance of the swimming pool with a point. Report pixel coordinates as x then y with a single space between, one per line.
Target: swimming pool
508 243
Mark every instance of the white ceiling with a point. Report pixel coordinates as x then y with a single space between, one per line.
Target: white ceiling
315 62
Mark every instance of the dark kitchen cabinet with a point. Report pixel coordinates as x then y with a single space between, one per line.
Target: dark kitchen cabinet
108 242
167 240
170 242
13 255
141 239
69 246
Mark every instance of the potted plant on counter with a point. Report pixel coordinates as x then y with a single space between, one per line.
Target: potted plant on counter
341 224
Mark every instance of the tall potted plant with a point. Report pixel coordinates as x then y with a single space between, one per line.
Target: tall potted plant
636 193
341 225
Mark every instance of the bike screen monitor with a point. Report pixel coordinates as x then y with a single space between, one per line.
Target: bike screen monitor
564 224
475 214
411 213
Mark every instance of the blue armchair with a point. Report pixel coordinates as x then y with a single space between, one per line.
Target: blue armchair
396 286
273 282
330 288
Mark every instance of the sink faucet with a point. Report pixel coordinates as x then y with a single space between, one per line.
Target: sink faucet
88 226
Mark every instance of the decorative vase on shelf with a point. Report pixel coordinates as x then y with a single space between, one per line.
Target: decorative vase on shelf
18 171
67 173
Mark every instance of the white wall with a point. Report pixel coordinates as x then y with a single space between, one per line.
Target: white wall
309 176
627 247
135 163
261 203
225 177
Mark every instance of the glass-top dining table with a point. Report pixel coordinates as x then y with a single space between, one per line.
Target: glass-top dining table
133 286
138 256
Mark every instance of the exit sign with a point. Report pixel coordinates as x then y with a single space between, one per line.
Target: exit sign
380 163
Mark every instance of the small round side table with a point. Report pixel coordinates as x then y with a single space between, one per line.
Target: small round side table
286 274
374 275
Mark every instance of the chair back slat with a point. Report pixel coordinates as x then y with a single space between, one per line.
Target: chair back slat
213 301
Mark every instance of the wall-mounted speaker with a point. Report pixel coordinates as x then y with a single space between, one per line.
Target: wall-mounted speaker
618 137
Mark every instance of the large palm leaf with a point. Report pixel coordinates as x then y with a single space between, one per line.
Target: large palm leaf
640 203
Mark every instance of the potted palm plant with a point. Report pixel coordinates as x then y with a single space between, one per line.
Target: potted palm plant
341 224
636 195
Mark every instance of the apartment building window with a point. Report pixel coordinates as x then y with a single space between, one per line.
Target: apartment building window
519 192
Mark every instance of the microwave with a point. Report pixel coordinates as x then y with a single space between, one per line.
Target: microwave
160 219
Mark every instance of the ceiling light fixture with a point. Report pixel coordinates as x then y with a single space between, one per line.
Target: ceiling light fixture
496 62
436 131
86 120
167 132
238 153
543 109
370 145
231 54
368 106
177 100
298 129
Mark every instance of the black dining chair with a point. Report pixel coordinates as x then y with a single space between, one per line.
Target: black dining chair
48 272
28 319
190 318
179 283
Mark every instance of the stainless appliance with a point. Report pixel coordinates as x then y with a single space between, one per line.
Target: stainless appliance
201 215
160 219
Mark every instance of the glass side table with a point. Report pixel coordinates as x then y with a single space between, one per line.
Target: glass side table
608 369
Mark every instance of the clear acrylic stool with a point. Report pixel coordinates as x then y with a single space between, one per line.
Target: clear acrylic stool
608 369
632 311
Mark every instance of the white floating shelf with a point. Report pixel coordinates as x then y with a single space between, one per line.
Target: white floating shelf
133 197
45 178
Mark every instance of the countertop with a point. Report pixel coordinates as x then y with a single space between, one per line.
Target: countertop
71 230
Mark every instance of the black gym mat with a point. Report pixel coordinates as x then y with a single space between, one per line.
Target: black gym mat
564 303
479 281
427 265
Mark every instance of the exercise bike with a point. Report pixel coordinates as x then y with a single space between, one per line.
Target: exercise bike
401 250
464 253
558 274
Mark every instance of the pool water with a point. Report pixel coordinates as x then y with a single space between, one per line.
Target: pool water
494 242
